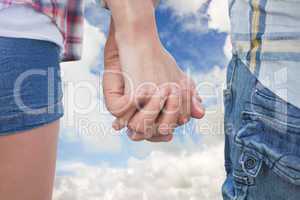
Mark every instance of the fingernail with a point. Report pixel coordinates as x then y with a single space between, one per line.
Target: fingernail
116 126
184 120
129 132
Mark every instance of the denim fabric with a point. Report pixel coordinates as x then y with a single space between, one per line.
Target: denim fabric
262 148
30 84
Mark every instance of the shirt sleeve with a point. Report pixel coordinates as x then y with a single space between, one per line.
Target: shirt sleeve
104 5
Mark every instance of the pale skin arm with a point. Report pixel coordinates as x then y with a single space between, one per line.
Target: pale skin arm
151 76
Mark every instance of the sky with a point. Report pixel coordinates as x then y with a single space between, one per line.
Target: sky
97 163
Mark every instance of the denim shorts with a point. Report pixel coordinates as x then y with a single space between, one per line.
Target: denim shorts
262 140
30 84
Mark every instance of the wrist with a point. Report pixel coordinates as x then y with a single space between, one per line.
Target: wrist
138 34
130 14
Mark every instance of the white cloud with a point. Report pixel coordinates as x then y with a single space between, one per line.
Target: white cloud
188 12
218 11
161 176
183 7
228 48
210 86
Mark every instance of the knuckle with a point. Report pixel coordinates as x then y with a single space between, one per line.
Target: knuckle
139 127
164 129
114 112
149 131
173 106
131 126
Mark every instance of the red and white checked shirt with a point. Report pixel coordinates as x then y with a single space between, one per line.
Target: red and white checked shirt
67 15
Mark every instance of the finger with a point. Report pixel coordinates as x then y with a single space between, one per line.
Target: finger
185 111
123 120
116 101
137 137
192 101
134 136
142 97
117 104
168 119
161 138
113 80
144 120
144 93
197 110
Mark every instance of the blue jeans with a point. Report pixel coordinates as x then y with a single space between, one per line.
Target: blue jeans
262 140
30 84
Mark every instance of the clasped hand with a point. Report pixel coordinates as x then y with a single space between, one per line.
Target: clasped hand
145 89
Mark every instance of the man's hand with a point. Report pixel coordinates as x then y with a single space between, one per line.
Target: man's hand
146 90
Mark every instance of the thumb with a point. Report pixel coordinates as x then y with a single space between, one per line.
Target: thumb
113 88
113 80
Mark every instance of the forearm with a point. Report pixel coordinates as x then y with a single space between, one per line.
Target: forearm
134 20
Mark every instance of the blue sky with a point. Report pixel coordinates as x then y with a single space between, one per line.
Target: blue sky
197 46
197 50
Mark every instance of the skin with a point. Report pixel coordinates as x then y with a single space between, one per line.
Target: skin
169 98
27 166
143 86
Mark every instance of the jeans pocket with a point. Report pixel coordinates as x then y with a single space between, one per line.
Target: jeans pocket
271 127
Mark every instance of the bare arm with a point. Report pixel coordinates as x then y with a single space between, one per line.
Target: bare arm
134 20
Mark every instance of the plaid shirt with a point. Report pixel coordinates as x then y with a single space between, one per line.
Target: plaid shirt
266 33
67 15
